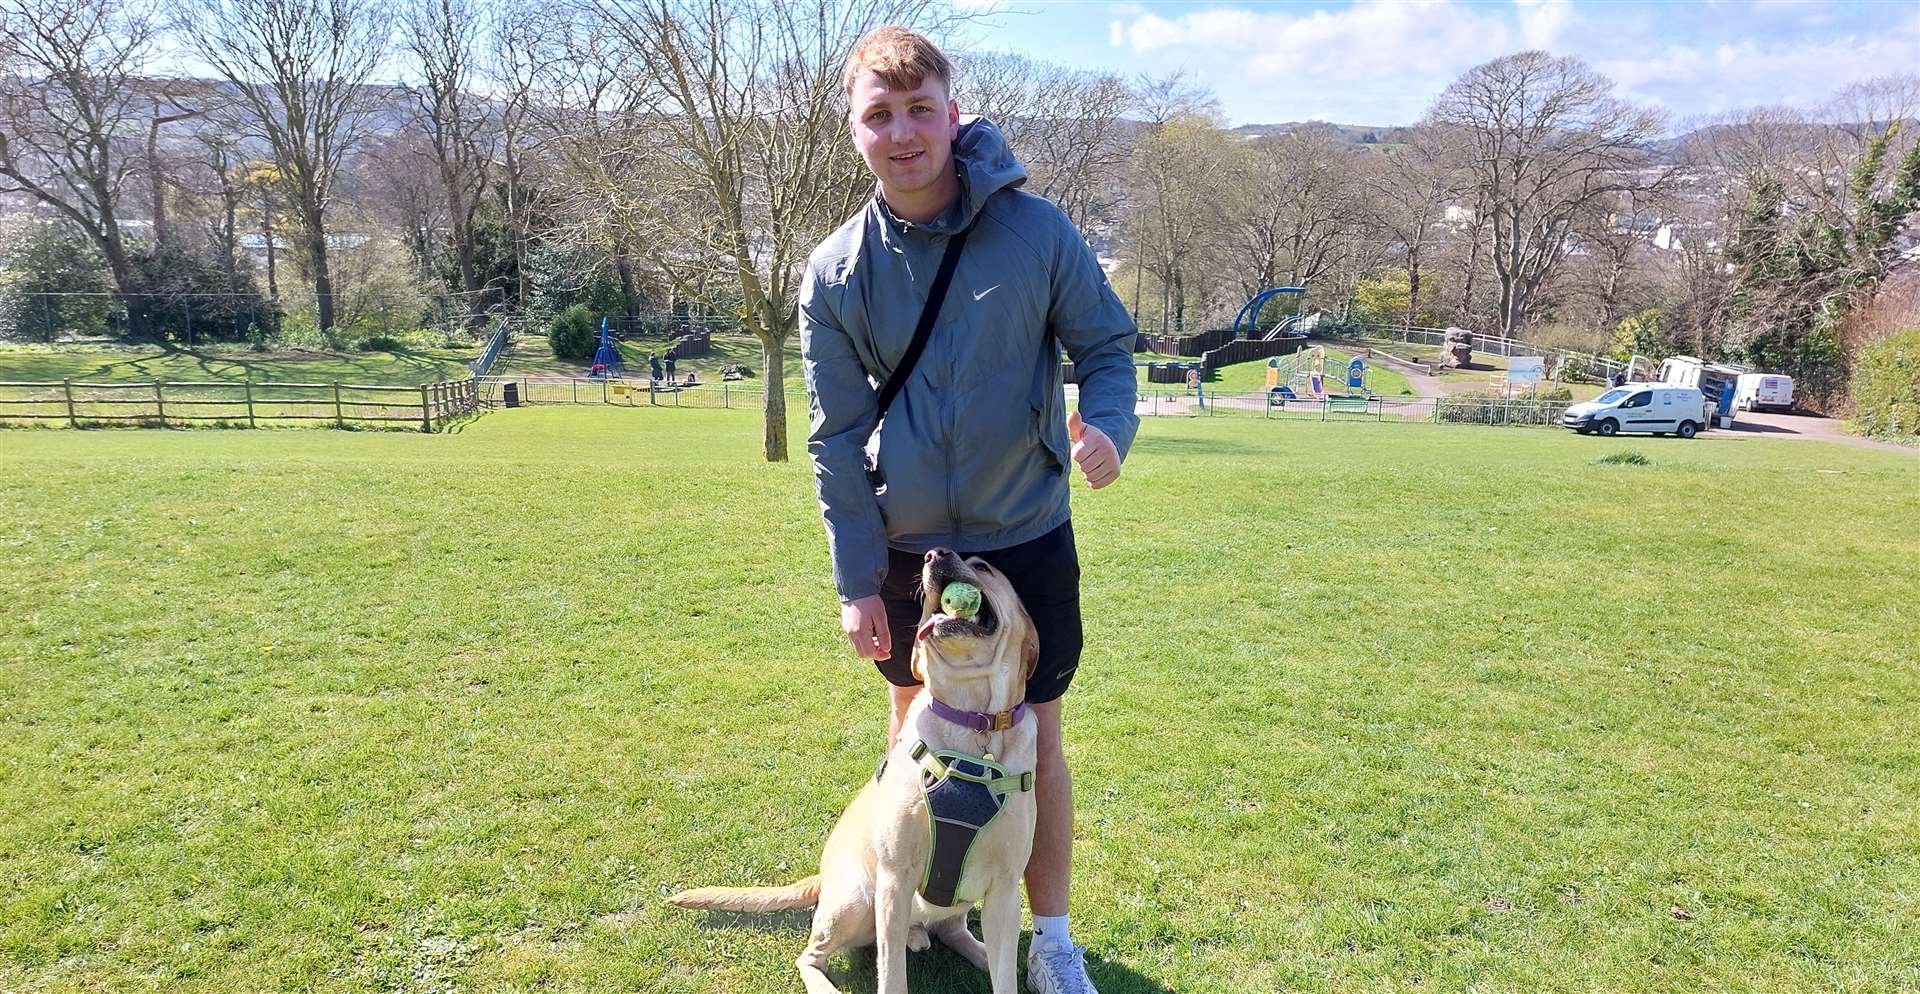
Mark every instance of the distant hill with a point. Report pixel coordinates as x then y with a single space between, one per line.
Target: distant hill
1359 134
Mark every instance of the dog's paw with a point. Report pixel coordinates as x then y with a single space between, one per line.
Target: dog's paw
917 940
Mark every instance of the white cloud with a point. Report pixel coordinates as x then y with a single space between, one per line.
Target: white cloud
1384 61
1362 41
1745 73
1543 21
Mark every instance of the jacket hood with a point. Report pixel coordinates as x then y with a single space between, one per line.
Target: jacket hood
985 165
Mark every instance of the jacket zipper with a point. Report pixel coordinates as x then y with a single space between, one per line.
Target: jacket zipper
948 417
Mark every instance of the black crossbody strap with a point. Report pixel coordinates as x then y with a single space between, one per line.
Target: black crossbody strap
924 330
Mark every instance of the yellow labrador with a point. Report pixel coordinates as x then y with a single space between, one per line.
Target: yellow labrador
869 886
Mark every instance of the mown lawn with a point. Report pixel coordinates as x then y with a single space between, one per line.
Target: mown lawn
145 363
532 356
1364 708
1251 376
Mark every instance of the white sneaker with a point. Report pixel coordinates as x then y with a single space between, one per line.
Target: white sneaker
1054 967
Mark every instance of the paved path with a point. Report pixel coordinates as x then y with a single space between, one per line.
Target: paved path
1801 427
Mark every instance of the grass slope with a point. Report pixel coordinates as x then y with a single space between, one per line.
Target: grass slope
119 364
1429 708
1251 376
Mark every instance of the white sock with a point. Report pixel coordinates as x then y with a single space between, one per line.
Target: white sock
1053 928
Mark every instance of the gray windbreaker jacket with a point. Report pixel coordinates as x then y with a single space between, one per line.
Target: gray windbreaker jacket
974 448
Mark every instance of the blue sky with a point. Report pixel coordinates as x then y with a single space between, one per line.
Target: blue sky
1383 61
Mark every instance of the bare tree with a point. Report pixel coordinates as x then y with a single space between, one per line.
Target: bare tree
165 112
443 38
301 69
1064 124
514 69
1408 194
412 200
1157 102
71 94
1602 280
1543 138
1296 207
1178 177
219 161
734 121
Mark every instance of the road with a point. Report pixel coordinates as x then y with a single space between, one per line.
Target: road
1802 427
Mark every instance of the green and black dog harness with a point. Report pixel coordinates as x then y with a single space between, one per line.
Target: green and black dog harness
964 795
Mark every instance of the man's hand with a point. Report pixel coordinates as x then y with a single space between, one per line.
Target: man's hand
1093 450
865 622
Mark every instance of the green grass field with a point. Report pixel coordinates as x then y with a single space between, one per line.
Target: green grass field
1364 708
1251 376
144 363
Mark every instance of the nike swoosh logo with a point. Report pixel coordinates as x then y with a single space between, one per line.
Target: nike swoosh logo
988 290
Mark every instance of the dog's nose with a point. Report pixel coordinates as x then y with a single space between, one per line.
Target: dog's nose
933 554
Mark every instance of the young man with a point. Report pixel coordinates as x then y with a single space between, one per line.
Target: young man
974 450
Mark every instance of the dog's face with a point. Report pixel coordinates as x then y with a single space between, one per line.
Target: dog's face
999 638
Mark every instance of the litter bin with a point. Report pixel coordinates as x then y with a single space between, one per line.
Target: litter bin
510 392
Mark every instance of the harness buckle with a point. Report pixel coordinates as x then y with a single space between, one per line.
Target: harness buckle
1000 721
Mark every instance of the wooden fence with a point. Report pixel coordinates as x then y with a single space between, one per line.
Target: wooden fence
248 403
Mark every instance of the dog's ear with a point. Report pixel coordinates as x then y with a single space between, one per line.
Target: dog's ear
1029 653
914 665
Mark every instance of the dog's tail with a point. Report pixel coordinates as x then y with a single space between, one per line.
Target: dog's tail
800 894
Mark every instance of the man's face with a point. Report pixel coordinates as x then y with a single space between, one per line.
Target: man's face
906 136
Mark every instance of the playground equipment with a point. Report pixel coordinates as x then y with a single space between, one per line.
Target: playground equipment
1303 375
1306 369
1250 313
606 361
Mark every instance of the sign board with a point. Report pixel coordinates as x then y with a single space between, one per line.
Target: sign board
1356 373
1526 371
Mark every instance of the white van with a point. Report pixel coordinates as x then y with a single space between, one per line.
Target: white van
1641 408
1716 381
1763 391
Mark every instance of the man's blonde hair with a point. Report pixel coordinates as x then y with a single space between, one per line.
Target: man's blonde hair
902 57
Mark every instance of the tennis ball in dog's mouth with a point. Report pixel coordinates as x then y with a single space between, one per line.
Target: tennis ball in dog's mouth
960 599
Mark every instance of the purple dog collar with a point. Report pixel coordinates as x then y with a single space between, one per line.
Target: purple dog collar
979 721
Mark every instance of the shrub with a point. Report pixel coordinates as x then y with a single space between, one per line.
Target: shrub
1886 388
382 343
52 283
571 333
192 299
1490 407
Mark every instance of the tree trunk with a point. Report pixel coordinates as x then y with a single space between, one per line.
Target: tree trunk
266 231
773 361
322 272
469 278
230 210
1413 285
1179 303
624 267
1466 290
159 181
126 284
516 226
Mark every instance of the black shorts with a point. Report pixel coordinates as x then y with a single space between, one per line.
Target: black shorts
1045 572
